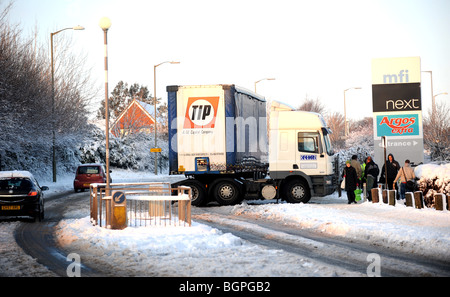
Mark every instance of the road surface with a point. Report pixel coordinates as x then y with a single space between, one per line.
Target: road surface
37 239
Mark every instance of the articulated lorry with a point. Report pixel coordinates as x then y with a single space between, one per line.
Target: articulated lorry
219 140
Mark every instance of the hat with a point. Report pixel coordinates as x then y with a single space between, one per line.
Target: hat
347 162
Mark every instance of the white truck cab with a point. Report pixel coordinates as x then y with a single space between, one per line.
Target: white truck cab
300 148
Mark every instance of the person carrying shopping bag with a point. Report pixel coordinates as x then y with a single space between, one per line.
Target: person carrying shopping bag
405 174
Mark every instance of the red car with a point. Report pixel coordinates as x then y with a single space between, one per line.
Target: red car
87 174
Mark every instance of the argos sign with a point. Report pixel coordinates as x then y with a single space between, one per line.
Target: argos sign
398 125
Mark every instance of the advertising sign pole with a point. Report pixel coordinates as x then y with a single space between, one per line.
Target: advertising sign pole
397 108
384 143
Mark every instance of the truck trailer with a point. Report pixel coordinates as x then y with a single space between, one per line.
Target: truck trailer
218 138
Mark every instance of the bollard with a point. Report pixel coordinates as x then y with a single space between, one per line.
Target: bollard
384 195
365 192
409 199
374 193
118 215
439 200
391 197
418 199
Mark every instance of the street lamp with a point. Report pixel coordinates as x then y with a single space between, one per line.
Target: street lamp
105 24
154 95
434 99
262 80
53 95
345 110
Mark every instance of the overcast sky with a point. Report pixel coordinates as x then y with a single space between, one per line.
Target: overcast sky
314 49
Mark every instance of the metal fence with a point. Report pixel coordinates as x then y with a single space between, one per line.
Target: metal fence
146 204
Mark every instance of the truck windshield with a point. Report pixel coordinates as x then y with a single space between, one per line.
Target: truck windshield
327 141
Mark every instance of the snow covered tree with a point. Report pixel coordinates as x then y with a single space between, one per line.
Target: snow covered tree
122 95
436 132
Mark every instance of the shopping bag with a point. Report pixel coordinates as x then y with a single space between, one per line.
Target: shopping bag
358 194
343 184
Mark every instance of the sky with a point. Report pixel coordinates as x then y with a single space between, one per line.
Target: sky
313 49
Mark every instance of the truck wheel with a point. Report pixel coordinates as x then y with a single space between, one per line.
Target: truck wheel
198 192
227 192
297 191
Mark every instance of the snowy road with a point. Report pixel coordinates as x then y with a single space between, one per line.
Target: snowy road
326 237
346 257
37 239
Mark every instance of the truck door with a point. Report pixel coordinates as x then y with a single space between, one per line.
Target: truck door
310 155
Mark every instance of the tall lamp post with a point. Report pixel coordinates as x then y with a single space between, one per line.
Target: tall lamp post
432 95
154 95
262 80
345 110
53 96
105 24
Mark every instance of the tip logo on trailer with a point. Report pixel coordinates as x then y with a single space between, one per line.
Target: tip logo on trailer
201 112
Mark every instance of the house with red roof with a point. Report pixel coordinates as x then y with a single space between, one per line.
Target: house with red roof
137 117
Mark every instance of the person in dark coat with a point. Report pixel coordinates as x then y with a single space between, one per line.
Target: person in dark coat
371 172
392 169
351 179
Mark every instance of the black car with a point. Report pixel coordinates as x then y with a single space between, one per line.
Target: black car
21 195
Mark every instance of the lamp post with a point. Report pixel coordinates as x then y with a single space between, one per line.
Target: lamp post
105 24
262 80
53 96
432 96
154 95
345 111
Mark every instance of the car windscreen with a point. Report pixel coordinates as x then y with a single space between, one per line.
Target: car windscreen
15 183
89 170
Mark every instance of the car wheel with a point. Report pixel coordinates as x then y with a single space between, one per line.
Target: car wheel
39 216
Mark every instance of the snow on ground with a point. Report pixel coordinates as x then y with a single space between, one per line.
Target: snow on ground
204 251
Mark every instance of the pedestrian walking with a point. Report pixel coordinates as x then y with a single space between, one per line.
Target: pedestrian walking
355 164
371 172
392 167
351 180
405 175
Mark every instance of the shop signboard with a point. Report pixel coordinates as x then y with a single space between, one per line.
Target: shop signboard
397 109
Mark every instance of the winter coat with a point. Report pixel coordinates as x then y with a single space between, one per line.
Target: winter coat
373 170
350 178
355 164
405 173
392 169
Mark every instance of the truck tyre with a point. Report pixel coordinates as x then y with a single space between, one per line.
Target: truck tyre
227 192
297 191
198 191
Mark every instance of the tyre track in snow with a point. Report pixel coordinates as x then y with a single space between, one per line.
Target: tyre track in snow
339 252
37 239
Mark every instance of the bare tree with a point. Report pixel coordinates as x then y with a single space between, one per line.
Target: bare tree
436 132
313 105
336 123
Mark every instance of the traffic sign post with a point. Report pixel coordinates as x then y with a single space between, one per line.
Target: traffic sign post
119 210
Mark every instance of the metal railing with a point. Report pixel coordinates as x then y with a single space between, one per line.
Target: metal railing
146 204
